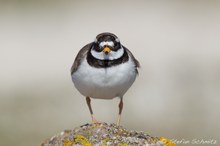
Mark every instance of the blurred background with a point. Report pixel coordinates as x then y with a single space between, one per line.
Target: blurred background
177 93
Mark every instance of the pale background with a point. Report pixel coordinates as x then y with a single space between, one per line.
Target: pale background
177 94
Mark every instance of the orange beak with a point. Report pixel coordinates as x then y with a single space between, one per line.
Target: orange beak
106 50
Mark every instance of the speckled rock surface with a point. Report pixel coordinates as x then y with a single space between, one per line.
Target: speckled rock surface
104 135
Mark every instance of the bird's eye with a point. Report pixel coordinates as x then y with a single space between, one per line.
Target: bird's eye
96 47
117 44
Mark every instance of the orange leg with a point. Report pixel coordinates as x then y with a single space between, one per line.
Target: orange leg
88 101
120 111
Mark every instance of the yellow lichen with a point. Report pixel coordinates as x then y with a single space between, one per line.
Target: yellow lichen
123 144
82 140
67 143
167 142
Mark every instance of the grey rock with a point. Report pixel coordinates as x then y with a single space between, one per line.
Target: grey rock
103 134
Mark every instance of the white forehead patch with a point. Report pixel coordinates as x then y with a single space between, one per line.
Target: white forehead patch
109 43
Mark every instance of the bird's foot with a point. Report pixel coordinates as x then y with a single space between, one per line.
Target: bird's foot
94 120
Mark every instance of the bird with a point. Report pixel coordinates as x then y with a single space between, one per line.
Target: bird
104 69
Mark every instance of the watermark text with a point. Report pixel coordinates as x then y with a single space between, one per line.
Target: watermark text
195 141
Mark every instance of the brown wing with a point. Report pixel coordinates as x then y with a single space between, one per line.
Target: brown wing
136 62
82 53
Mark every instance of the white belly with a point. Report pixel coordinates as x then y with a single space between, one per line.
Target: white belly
104 83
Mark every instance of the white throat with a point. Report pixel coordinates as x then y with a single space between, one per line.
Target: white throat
112 55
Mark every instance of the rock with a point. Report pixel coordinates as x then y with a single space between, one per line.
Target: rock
103 134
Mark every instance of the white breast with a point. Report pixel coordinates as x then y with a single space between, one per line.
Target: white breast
104 83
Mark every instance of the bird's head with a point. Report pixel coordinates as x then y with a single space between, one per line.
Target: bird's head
107 46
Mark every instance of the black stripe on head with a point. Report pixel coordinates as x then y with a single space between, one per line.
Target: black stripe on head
106 63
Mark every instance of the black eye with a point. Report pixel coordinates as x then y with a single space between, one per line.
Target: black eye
96 47
117 45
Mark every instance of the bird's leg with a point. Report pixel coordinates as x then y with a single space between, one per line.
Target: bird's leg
120 111
88 101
